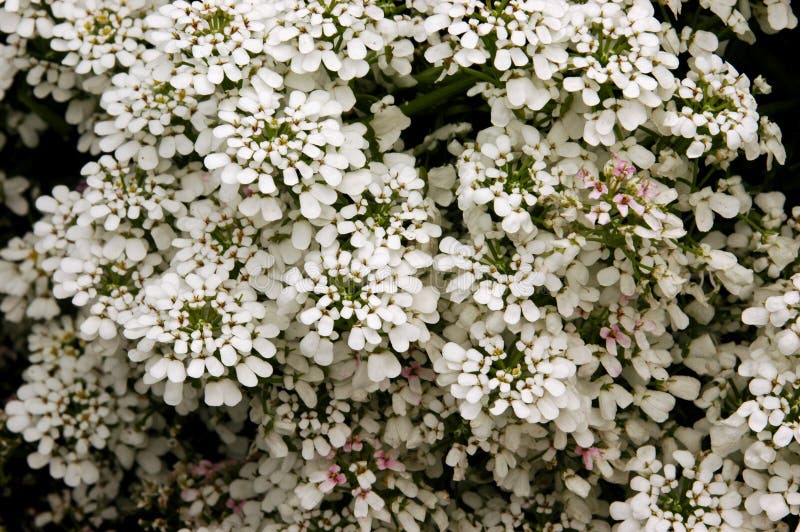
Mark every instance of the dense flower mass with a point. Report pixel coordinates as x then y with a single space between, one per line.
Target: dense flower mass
400 265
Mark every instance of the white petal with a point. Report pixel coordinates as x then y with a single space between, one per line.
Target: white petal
135 249
216 160
724 205
176 372
147 158
231 392
755 316
214 394
788 342
196 368
382 365
259 366
246 376
215 74
173 393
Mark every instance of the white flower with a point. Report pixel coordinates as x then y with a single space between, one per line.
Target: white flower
98 35
216 38
710 498
381 366
198 326
27 288
69 404
707 202
12 193
308 150
655 404
387 124
363 247
221 392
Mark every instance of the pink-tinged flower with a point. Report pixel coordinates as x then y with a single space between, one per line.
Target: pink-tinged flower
598 189
645 189
625 202
614 336
585 176
621 168
247 191
364 499
414 372
189 494
589 456
598 214
333 477
205 468
353 444
385 461
236 506
640 327
589 181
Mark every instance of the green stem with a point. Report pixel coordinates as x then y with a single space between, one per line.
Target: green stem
432 99
429 75
481 75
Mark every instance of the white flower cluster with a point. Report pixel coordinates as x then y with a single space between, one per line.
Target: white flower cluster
75 405
681 495
772 15
356 264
